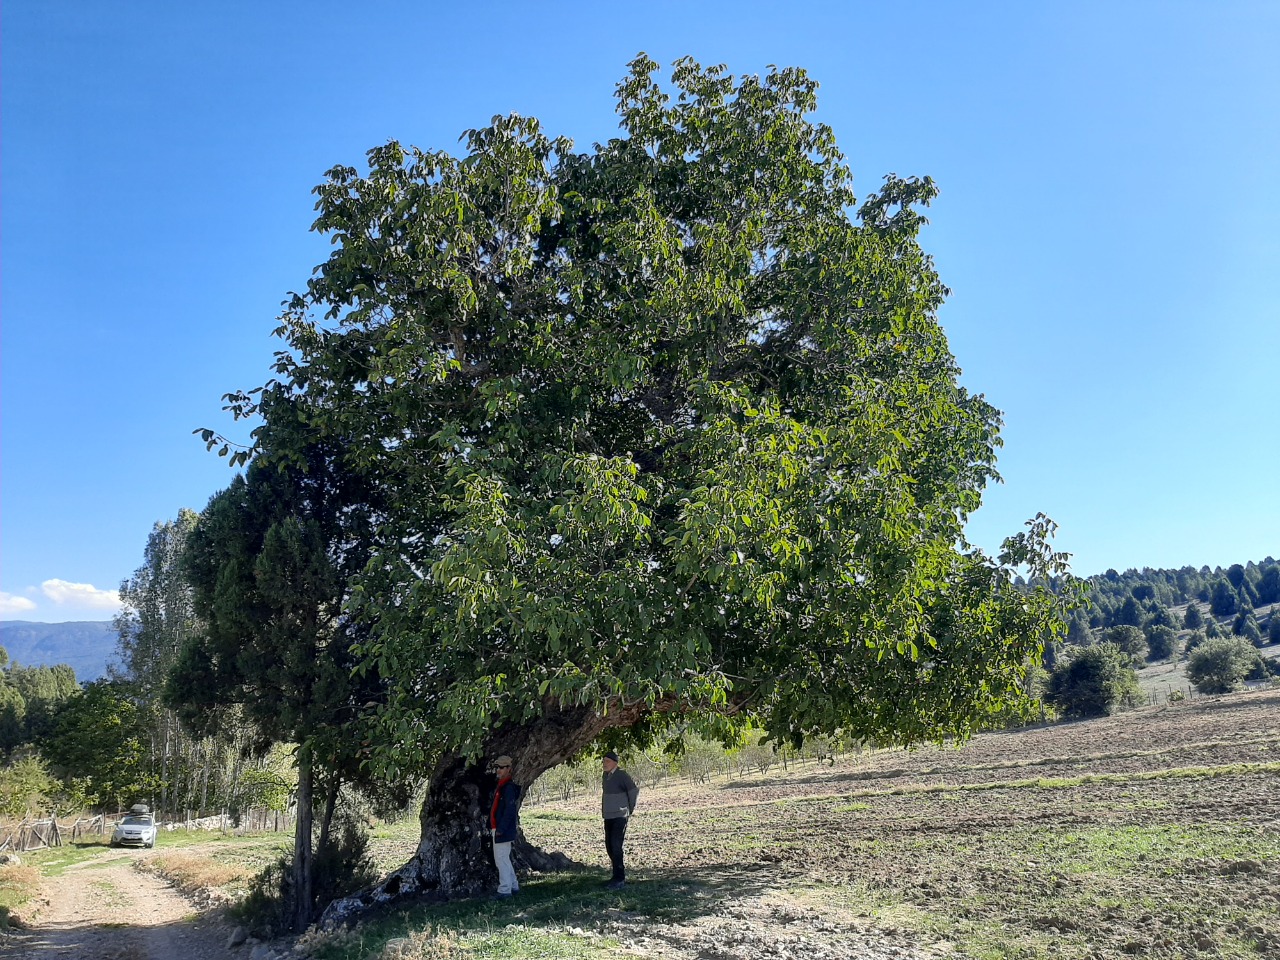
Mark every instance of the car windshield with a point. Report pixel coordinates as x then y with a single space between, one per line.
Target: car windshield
136 821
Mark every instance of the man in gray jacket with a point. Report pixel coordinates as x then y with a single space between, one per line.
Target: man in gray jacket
617 803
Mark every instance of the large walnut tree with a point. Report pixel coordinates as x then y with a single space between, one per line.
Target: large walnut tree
663 429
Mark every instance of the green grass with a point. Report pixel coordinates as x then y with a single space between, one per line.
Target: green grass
55 861
533 943
553 916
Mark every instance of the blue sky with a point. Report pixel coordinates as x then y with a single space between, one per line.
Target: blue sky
1108 223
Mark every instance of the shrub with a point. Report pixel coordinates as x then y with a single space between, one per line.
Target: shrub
341 865
1193 641
1193 619
1093 682
1222 664
644 769
1162 643
26 787
1262 670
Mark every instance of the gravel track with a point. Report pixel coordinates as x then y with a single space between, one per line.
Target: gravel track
111 910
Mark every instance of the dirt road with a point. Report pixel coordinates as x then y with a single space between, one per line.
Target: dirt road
108 910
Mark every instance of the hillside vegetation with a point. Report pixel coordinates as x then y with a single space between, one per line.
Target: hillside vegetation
86 646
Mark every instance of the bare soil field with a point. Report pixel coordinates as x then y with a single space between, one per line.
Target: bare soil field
1152 833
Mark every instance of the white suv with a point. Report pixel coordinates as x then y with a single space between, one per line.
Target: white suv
135 830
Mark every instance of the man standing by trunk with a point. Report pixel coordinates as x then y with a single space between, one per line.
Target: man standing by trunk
617 803
504 824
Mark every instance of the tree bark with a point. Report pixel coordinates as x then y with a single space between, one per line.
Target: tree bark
302 861
454 857
330 805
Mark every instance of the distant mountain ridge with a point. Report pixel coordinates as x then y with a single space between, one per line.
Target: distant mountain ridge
87 646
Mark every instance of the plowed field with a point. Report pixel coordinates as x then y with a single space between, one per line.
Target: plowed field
1152 833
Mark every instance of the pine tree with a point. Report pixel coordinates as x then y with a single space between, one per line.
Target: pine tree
1130 614
1193 619
1223 602
1269 584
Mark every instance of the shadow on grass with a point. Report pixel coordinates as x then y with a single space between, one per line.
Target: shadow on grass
553 902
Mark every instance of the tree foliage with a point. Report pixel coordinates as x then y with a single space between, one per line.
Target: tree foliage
1223 601
659 423
156 618
29 700
1193 619
1092 681
268 565
1162 642
1269 584
1155 588
1129 639
1221 665
26 787
99 737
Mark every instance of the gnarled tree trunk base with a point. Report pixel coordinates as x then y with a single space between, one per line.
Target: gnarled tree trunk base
417 883
454 857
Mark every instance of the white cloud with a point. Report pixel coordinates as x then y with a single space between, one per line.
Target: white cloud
11 604
80 595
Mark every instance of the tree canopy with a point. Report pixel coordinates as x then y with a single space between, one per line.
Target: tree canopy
1093 681
668 426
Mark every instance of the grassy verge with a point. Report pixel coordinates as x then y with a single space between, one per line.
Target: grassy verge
194 873
18 884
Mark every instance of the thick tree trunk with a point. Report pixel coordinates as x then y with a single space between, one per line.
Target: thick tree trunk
454 856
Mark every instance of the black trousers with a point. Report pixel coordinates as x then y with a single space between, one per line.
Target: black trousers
615 831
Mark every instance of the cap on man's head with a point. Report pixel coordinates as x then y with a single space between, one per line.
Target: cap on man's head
610 756
502 761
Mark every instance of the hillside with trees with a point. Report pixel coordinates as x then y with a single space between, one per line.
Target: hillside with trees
87 646
1219 621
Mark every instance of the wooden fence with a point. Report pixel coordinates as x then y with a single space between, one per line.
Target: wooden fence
32 833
